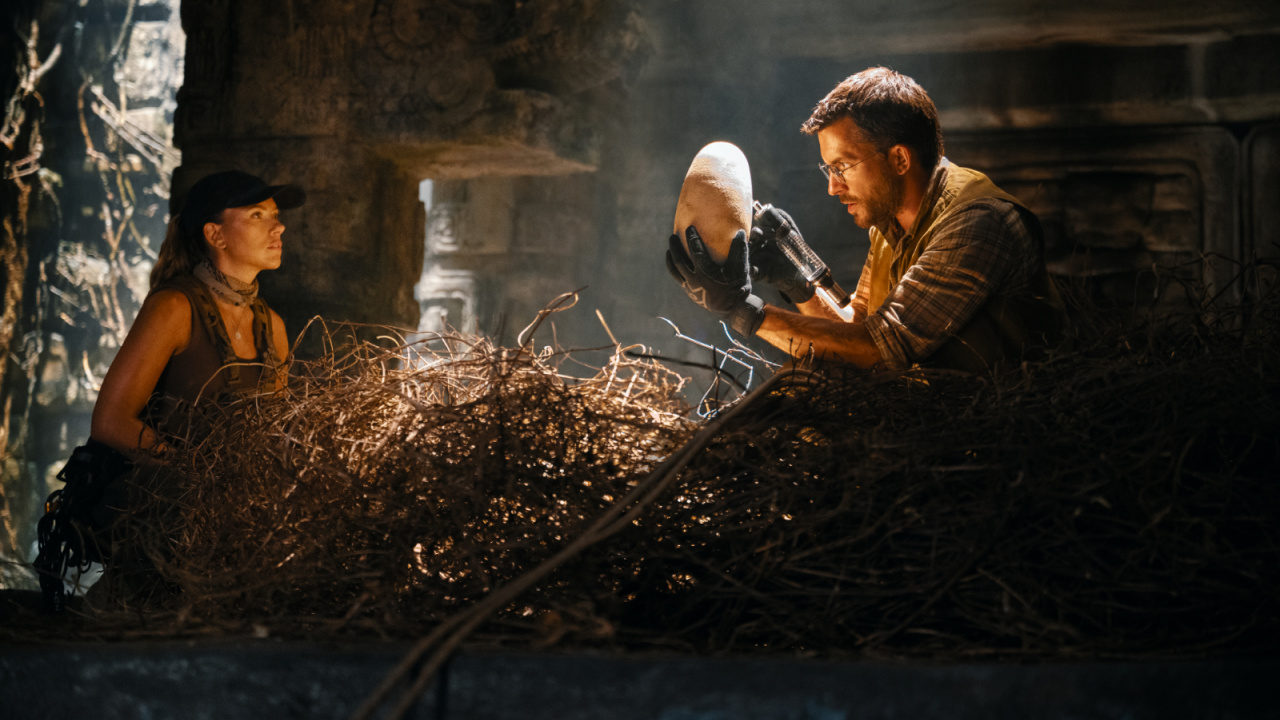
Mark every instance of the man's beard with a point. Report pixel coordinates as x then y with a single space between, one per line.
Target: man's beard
882 209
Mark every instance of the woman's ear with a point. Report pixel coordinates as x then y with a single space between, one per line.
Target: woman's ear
213 236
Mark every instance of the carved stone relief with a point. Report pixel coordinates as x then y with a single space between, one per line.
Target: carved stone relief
1262 151
1125 210
1262 219
530 236
319 51
470 218
407 30
411 71
444 229
446 299
312 116
1117 206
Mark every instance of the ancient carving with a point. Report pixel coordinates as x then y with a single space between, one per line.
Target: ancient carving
402 30
454 78
405 30
199 114
571 45
443 234
1263 186
1122 212
311 115
446 299
429 61
319 51
453 90
565 45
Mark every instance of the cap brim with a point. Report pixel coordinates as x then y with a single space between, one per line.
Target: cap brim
286 197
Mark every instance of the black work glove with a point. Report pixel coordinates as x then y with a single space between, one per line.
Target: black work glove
768 263
724 289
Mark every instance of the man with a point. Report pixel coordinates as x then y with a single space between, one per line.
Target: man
955 276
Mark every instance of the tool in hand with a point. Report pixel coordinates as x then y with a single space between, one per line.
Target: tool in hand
812 267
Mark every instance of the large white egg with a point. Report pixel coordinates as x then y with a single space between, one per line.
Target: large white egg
716 197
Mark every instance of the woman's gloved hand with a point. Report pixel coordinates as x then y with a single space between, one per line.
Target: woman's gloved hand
722 288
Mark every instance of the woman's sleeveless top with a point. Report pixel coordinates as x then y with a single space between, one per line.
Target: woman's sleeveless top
208 369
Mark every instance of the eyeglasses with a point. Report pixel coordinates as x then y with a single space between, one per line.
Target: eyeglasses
841 168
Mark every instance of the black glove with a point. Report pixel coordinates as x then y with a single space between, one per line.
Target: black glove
724 289
769 263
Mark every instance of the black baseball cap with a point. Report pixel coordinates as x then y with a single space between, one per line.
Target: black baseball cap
231 189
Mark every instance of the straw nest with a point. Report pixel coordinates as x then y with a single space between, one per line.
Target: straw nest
1115 499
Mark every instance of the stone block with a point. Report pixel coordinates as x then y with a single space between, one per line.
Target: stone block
1173 231
447 300
1262 188
1106 208
816 28
1175 193
268 679
1243 66
471 217
1115 203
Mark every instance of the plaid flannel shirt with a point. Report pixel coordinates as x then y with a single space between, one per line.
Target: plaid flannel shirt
987 248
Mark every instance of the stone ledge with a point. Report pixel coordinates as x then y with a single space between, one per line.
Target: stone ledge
270 679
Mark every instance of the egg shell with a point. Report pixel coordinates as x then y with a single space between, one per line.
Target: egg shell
715 198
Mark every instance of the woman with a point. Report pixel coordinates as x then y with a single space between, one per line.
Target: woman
202 335
202 332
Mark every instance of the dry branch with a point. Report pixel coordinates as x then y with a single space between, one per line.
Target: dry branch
1117 499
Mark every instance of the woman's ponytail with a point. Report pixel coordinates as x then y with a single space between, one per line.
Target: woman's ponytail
179 253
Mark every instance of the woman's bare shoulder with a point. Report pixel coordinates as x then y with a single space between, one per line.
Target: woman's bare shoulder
166 303
167 297
166 312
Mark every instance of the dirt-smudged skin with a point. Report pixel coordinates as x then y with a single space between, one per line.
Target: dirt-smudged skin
716 197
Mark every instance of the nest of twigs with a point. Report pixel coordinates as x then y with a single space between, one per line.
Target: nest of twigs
387 487
1118 498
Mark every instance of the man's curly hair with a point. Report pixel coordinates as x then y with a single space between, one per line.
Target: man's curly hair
888 107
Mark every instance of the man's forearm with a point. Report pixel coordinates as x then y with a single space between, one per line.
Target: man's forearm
815 307
820 331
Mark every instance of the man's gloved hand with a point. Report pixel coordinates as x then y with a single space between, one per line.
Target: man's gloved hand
724 289
769 263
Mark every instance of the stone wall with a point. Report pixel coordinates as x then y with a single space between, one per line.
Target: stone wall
360 102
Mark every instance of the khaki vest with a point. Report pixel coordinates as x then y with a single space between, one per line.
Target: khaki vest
1006 324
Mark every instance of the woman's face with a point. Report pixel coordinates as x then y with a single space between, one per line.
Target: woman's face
247 240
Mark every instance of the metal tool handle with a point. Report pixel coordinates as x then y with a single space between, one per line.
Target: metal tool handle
807 261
